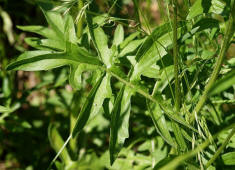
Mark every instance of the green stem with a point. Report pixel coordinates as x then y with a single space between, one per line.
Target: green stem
74 110
175 52
175 126
221 148
57 143
80 21
225 44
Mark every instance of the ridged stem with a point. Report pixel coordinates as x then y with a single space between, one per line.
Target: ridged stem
176 63
80 21
175 126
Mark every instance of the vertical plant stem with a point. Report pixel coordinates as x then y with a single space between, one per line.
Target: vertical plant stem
175 126
221 148
80 21
76 99
175 52
225 44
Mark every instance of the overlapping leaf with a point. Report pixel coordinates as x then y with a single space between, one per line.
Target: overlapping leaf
147 56
119 122
61 36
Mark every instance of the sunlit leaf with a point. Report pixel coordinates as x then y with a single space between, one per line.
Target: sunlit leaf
56 22
228 158
45 44
204 6
45 60
41 30
131 47
99 39
4 109
69 30
103 92
129 39
118 35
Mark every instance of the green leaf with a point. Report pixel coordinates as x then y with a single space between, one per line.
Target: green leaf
4 109
7 25
204 6
45 44
56 22
118 35
159 121
39 60
217 6
80 55
202 24
229 158
131 47
118 71
179 136
129 39
224 83
102 45
153 48
148 44
44 31
119 122
198 8
75 76
180 120
176 128
69 30
166 76
152 72
231 62
86 109
163 162
104 91
61 29
99 39
45 60
175 117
